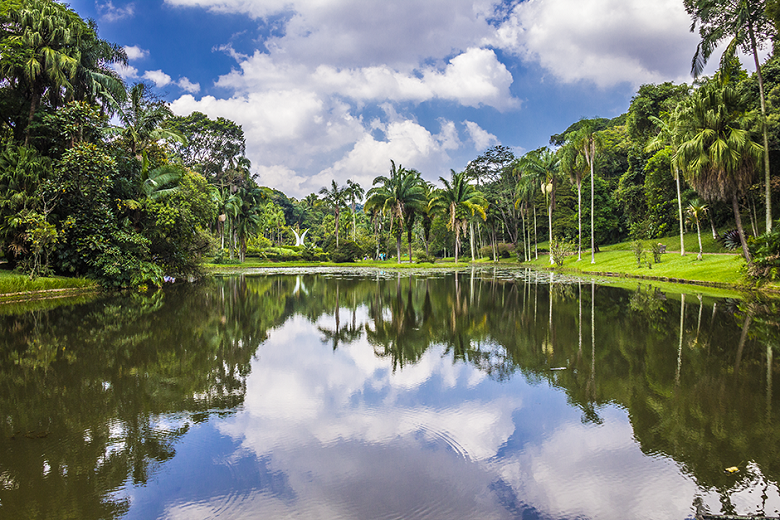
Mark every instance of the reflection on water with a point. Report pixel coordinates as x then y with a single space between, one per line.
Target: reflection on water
343 394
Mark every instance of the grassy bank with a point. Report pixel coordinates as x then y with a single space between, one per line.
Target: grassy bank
250 263
12 284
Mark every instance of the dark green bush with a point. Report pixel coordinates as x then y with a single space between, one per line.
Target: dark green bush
765 251
348 251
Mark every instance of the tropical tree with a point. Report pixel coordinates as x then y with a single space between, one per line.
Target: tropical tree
573 163
355 193
456 202
717 154
40 56
747 25
544 164
526 192
669 136
399 195
142 121
696 210
336 199
588 140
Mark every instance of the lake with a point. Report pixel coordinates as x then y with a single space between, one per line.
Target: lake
369 394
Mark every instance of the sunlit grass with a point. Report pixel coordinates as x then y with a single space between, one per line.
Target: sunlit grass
13 282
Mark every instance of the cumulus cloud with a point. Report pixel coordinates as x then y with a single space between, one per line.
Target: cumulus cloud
603 41
134 52
482 138
125 71
158 77
108 12
188 86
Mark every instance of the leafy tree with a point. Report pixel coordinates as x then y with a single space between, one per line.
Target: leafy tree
212 148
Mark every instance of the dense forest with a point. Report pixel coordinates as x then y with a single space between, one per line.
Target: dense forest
99 178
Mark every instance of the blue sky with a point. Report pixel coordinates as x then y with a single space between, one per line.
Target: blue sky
335 89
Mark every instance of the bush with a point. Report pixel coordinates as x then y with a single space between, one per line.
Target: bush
656 248
422 258
504 250
560 249
348 251
638 248
313 254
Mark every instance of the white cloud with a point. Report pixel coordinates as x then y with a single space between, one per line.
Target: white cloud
188 86
603 41
125 71
108 12
482 138
134 52
158 77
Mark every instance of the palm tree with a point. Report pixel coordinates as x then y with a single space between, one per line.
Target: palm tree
355 193
336 198
46 38
669 136
696 210
717 155
545 165
573 163
747 24
398 196
527 190
456 202
142 120
588 140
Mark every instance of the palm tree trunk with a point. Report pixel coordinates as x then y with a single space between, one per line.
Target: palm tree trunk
579 220
471 239
457 243
409 239
536 239
592 220
740 230
767 182
338 214
549 221
398 245
525 236
680 212
714 231
698 232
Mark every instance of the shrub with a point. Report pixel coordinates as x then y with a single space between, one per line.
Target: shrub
730 239
422 258
656 248
638 248
348 251
560 249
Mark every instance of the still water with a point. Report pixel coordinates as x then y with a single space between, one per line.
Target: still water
370 394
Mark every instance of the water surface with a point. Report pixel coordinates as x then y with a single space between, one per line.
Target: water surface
370 394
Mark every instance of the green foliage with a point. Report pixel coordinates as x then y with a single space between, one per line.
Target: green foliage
560 249
347 251
765 251
638 249
660 195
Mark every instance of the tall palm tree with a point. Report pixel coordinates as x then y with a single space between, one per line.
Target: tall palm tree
456 202
718 156
355 193
588 140
336 198
398 196
696 210
573 164
669 136
545 165
747 24
527 190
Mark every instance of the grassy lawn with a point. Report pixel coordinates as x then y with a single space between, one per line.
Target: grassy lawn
446 263
11 282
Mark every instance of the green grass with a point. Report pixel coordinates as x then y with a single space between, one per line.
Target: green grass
250 263
12 282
